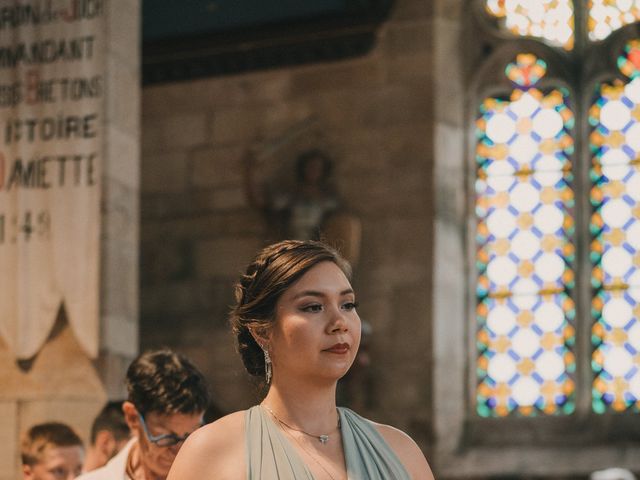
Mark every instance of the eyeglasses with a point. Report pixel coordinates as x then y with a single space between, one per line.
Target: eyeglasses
164 440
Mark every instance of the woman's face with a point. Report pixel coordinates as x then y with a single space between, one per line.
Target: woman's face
316 333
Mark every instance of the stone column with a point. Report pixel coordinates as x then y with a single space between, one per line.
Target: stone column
62 383
120 199
449 277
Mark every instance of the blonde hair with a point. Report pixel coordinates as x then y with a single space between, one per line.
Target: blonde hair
45 435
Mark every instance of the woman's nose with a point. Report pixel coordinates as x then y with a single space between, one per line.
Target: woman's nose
338 321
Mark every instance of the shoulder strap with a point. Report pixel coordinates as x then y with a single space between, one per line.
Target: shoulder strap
367 453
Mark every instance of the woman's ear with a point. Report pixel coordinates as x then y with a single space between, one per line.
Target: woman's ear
261 336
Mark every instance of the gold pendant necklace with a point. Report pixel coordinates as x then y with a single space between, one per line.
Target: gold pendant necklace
323 439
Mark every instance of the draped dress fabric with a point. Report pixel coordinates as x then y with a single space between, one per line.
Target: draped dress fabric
271 456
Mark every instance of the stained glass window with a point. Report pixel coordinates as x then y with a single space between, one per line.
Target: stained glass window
526 315
525 254
551 20
615 226
607 16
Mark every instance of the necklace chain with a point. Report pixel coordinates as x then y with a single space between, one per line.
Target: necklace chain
313 457
323 439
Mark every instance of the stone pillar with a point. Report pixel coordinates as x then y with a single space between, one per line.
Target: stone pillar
120 204
62 383
449 277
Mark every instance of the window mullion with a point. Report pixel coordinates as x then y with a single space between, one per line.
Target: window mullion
582 213
581 16
582 237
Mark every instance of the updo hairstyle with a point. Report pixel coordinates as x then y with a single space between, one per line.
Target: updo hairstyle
272 272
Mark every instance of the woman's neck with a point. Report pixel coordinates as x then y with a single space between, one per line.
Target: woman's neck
312 409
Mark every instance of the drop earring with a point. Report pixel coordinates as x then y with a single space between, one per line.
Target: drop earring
267 366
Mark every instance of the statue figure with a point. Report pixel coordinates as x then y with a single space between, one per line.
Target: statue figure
303 205
298 213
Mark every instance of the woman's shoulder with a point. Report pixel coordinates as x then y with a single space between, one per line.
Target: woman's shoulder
215 450
407 451
225 434
232 420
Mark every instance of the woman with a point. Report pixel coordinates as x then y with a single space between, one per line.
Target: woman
296 324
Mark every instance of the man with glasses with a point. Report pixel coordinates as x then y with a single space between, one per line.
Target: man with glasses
167 398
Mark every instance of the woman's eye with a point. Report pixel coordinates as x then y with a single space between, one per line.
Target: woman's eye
312 308
350 306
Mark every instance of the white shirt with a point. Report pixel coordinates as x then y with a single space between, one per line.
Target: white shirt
115 469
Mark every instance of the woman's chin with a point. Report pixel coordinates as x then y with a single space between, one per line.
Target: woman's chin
336 373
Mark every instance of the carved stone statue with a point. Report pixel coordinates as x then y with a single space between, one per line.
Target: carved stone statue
309 207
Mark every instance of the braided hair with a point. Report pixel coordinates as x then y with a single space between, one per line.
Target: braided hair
271 273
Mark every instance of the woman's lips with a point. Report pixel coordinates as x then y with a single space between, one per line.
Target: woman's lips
339 348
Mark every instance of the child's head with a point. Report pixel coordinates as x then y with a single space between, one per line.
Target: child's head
51 451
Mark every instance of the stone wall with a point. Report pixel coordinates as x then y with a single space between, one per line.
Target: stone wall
374 116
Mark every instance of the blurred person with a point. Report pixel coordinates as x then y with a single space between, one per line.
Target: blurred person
51 451
109 434
297 326
166 401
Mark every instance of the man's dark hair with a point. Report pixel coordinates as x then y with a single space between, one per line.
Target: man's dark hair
43 435
165 382
111 419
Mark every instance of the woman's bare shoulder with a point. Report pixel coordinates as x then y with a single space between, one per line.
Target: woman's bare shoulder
224 430
214 451
407 451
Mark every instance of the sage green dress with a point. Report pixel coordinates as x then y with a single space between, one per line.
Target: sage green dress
270 456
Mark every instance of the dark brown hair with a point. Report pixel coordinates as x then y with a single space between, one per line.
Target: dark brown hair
165 382
272 272
50 434
111 419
